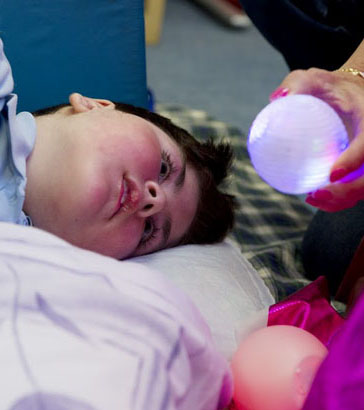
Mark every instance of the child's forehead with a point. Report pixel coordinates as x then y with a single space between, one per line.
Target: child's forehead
138 124
164 136
116 119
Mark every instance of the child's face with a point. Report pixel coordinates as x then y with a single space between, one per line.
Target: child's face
114 183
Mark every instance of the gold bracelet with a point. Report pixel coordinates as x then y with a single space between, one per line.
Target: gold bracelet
353 71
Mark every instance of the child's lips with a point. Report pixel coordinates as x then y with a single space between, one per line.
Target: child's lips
123 194
128 198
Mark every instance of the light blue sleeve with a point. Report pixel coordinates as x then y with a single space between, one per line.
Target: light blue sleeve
17 136
6 78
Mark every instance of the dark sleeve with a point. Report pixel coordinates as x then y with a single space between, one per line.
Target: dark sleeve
330 242
309 33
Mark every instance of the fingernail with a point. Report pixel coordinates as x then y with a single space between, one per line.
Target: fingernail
322 195
311 201
338 174
278 93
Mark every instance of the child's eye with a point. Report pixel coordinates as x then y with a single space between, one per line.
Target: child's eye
149 233
164 169
167 167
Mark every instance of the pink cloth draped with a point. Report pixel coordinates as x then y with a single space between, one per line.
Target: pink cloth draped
339 382
310 309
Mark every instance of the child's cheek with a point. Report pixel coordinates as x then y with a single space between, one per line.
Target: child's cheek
145 162
92 194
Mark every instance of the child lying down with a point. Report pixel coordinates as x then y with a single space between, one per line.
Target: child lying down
109 177
79 330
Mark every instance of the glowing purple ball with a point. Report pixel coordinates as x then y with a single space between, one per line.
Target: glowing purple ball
294 141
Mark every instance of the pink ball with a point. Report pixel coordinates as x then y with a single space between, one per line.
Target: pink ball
274 367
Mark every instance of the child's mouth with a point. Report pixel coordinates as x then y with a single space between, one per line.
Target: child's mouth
123 194
129 196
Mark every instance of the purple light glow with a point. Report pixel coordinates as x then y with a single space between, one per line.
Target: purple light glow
294 141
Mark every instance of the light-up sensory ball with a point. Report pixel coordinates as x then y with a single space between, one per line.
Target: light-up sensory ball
294 141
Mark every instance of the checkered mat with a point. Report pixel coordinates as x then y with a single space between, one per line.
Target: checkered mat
269 224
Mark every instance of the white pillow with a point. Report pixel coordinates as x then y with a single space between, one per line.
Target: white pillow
222 283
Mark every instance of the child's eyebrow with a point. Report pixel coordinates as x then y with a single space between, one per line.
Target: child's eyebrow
167 225
180 180
166 231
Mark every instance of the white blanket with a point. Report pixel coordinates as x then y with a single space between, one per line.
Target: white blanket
79 331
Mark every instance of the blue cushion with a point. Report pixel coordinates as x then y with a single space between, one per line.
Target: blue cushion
57 47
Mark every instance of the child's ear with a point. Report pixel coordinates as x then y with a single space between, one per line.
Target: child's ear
80 103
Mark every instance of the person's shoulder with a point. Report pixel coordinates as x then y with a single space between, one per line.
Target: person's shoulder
6 78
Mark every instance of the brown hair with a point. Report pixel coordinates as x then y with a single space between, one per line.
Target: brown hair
212 161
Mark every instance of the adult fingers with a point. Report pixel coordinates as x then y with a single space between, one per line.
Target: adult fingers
338 196
329 206
350 160
314 81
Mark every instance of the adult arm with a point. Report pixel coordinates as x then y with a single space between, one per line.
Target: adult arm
304 32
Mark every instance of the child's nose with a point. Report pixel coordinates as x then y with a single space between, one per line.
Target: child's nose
153 201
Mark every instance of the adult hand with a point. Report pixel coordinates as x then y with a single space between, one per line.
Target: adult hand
344 92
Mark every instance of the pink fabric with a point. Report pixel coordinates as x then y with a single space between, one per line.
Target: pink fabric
339 382
309 309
